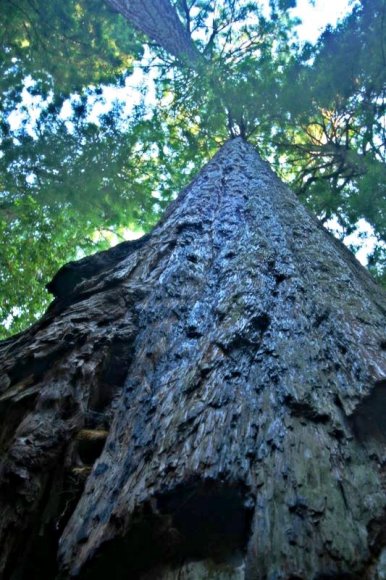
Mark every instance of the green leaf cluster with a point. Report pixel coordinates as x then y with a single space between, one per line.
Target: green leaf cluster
65 45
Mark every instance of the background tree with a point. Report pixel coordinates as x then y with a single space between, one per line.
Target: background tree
336 137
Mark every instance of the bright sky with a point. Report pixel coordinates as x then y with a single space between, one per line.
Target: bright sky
316 18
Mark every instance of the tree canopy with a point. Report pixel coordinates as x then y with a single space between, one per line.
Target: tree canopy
72 181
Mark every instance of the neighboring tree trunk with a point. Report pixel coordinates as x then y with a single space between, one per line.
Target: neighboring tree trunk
159 21
207 402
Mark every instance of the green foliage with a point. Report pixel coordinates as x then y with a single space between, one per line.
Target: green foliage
332 138
63 44
35 243
65 193
236 88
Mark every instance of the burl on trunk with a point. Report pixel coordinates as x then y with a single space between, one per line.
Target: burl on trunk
208 401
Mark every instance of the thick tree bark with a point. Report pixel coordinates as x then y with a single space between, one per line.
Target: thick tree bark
208 401
159 21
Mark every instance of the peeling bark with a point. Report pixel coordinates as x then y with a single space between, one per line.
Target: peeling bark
207 402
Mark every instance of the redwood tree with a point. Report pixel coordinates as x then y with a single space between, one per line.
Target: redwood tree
235 361
207 401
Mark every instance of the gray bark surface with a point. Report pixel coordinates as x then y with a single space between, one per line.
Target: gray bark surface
159 21
207 402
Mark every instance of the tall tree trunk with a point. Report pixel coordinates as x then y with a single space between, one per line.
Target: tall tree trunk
158 19
208 401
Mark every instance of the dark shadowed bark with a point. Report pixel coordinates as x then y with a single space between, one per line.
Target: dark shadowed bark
159 21
208 401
